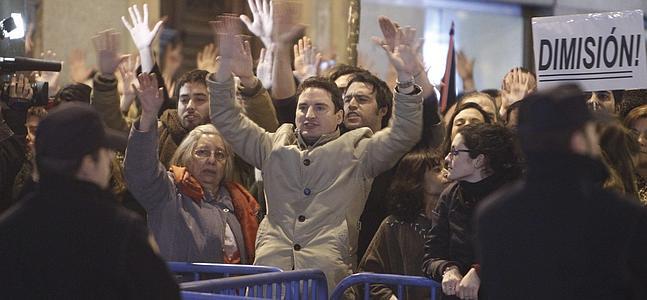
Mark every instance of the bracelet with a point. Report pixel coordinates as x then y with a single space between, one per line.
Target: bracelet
405 84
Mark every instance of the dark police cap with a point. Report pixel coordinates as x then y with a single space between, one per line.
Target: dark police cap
558 109
73 130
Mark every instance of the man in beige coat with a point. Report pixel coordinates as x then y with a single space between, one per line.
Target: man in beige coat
316 181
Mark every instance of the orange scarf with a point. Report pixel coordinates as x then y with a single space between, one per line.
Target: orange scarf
245 205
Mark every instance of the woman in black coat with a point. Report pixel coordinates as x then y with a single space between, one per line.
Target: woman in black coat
482 158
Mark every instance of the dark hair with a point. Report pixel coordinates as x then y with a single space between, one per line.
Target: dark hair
406 193
492 92
195 76
343 69
630 100
447 142
618 147
383 94
324 84
499 146
74 92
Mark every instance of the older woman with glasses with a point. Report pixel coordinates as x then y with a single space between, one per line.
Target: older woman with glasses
194 211
482 158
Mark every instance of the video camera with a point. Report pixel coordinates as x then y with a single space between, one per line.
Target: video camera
10 65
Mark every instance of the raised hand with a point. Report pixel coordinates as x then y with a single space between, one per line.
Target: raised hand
127 70
151 99
469 286
106 44
464 65
516 85
389 32
235 55
139 30
263 14
142 35
206 59
79 71
306 60
19 88
265 66
286 25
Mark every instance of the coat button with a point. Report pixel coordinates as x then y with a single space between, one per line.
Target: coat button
297 247
302 219
307 191
306 162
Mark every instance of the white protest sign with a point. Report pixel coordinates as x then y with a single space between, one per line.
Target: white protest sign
600 51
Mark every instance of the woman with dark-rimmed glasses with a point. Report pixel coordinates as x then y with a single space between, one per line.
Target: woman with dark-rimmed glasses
482 158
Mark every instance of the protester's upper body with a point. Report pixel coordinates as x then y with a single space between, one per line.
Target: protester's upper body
316 181
398 244
482 159
194 210
69 238
557 234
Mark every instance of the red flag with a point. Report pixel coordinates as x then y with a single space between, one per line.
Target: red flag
448 89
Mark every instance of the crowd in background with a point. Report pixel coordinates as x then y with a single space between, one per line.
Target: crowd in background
277 161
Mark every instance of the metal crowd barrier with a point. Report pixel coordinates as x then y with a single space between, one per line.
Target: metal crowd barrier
224 270
399 281
298 284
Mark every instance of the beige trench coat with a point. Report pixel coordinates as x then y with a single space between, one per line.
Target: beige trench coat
315 195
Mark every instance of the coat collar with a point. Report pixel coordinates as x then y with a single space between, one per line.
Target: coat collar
323 139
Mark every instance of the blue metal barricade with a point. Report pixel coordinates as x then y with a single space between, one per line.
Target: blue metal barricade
224 270
298 284
186 295
398 281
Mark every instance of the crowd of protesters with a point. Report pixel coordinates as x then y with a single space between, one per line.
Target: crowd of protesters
510 193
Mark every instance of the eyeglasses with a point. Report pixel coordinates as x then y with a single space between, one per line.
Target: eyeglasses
454 152
206 153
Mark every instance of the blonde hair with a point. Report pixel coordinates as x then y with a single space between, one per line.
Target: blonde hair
184 152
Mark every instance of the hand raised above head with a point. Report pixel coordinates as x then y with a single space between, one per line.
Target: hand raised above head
149 93
140 32
106 45
306 59
265 66
262 26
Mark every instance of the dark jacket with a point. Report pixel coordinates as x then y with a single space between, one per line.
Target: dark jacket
397 248
451 241
559 235
12 156
375 209
70 240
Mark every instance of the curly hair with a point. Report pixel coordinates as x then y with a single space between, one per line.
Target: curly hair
194 76
405 196
499 146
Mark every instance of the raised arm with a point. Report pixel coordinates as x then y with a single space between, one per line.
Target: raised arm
145 175
249 141
387 146
106 97
142 35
